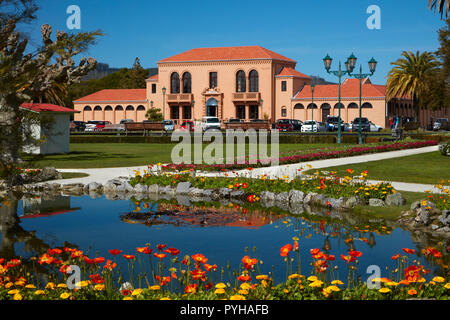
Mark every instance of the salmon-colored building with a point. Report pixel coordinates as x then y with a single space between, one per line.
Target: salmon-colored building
248 82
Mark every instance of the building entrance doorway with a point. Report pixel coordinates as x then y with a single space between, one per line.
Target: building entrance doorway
211 107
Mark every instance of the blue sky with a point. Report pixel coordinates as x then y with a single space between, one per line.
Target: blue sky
303 30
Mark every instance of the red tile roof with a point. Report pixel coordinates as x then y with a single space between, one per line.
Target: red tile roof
226 53
349 89
153 77
115 95
290 72
46 107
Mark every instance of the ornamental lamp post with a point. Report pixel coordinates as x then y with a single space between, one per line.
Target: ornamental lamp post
349 65
312 103
164 102
372 67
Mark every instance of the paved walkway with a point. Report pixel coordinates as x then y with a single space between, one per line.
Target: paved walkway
102 175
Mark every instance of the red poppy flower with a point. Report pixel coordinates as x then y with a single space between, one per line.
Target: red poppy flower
412 273
128 256
208 267
160 246
355 253
295 248
96 278
109 265
329 257
249 262
172 251
145 250
88 261
284 251
244 278
45 258
395 257
251 198
54 251
99 260
115 252
244 185
192 288
126 292
163 280
199 258
411 251
348 259
198 274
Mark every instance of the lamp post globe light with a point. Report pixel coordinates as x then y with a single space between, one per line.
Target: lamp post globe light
349 66
372 67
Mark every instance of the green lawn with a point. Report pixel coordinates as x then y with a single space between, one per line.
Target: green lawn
427 168
105 155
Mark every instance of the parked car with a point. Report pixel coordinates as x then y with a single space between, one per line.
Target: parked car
169 125
347 127
441 124
365 125
77 125
95 125
209 123
287 125
374 127
332 124
187 126
313 126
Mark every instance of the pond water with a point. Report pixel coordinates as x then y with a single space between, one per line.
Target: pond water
221 232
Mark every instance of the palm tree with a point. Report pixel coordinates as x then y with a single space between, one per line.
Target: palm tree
410 77
443 6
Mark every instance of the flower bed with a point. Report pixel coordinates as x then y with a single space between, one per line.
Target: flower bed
355 151
329 185
165 274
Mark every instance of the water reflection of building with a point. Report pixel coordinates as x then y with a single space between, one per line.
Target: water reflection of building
202 216
40 207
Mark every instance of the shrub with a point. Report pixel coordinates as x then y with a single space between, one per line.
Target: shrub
444 148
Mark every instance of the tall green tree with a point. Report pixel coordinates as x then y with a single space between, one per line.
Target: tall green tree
135 78
24 76
410 77
442 6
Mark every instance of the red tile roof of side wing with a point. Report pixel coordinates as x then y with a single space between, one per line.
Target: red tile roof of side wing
115 95
153 77
226 53
47 107
349 89
290 72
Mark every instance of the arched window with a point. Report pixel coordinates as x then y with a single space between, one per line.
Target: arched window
174 83
241 81
129 108
325 106
97 108
140 108
186 82
353 106
311 106
108 108
87 108
283 112
254 81
119 108
299 106
336 106
367 105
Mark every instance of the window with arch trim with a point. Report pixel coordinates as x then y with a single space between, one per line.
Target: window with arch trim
254 81
187 81
174 83
241 81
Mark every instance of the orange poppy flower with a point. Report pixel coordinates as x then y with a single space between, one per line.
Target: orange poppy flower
99 260
192 288
199 258
412 292
172 251
284 251
398 255
109 265
244 278
54 251
249 262
159 255
128 256
160 246
411 251
145 250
